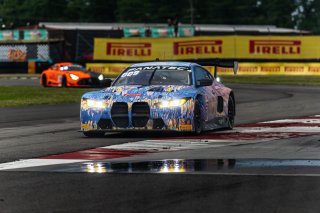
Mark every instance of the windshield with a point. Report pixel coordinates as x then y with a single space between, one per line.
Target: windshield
155 75
73 67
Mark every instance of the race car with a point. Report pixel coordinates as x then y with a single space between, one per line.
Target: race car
159 96
70 75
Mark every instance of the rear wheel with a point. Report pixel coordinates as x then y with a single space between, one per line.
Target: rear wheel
231 113
44 80
197 121
93 134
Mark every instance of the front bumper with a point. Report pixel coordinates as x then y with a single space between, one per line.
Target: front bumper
137 116
87 82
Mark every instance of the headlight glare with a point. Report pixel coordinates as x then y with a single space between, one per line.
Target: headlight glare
74 77
100 77
96 104
172 103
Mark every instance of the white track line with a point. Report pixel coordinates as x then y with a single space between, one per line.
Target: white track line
304 121
178 145
300 129
36 162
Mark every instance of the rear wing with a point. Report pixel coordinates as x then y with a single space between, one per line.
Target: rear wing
226 64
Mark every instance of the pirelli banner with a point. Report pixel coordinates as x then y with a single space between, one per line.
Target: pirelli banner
114 69
241 47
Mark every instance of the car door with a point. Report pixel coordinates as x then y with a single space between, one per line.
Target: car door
53 74
208 93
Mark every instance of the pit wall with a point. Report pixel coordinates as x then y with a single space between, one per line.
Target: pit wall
305 69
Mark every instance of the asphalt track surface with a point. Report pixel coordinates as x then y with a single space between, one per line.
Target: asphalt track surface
19 82
33 132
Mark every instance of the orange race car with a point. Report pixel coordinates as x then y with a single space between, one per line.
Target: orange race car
71 75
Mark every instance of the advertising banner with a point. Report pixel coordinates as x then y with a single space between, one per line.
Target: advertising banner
24 52
162 32
274 69
134 32
40 34
206 47
114 69
6 35
277 47
186 31
163 48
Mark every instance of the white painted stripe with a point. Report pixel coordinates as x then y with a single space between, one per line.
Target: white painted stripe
36 162
303 121
250 174
183 144
299 129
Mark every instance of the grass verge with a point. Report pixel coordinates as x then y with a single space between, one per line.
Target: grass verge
12 96
284 80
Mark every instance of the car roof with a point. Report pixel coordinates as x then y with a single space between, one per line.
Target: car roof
164 63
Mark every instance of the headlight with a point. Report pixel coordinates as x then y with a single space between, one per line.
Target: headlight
172 103
74 77
100 77
96 104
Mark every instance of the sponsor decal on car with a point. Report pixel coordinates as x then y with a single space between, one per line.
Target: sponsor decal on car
185 127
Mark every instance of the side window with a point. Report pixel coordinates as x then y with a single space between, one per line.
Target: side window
201 73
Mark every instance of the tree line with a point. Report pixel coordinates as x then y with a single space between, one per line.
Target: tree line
299 14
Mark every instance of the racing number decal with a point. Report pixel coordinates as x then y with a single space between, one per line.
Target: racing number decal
128 74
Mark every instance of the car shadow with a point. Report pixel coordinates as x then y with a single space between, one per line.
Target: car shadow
153 135
160 135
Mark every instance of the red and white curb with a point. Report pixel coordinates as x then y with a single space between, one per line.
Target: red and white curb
242 134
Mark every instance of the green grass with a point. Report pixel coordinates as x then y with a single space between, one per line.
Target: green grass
12 96
284 80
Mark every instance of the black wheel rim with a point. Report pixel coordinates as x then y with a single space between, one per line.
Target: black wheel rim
44 81
64 82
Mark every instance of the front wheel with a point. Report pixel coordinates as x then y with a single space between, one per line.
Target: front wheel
64 82
197 120
93 134
44 80
231 113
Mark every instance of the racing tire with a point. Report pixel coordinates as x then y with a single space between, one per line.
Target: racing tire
44 81
197 121
231 113
93 134
64 82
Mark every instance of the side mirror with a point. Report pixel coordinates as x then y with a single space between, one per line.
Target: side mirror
204 82
107 82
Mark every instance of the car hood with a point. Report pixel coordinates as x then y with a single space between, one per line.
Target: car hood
140 92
